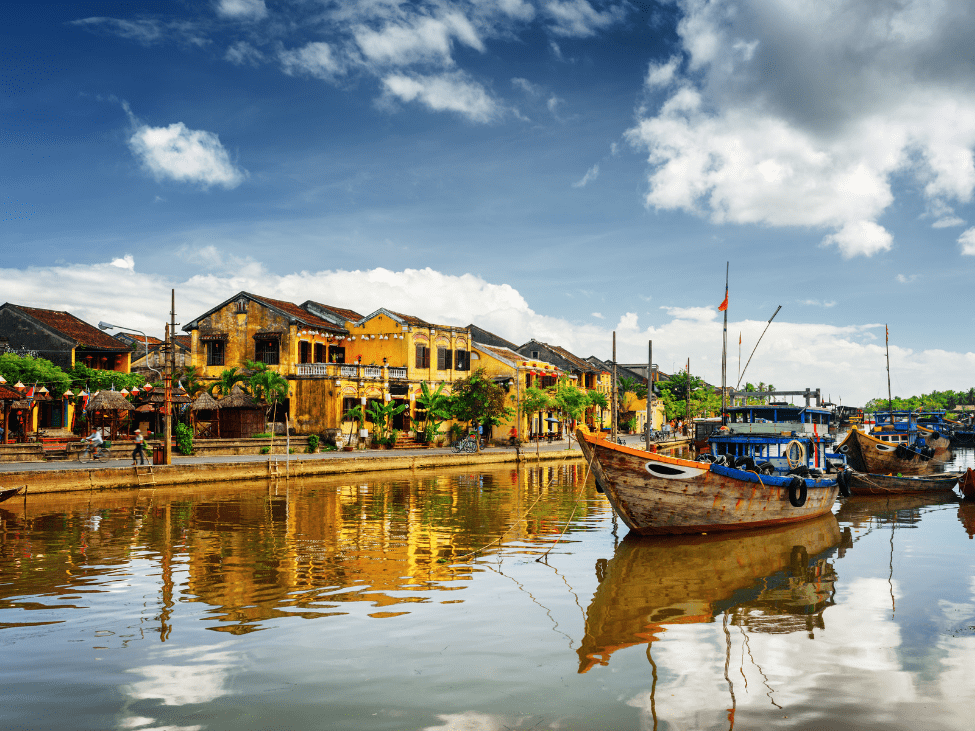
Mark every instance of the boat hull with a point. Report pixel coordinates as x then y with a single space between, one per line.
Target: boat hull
868 455
655 494
863 484
967 484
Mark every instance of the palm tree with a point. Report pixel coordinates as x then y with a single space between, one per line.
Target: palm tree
191 381
267 386
226 382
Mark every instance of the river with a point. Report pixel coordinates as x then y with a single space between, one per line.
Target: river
482 601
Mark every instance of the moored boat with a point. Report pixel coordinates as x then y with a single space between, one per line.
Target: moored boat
864 484
967 484
656 494
872 455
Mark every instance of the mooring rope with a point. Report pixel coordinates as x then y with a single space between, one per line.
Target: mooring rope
575 506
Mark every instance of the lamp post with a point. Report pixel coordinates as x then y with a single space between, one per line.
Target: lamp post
168 406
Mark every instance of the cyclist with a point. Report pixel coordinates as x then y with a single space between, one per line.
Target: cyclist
96 443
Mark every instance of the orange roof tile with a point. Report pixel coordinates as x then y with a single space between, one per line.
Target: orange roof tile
70 326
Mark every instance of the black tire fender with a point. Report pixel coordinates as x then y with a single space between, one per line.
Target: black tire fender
843 480
797 492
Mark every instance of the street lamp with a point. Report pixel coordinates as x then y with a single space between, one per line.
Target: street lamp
108 326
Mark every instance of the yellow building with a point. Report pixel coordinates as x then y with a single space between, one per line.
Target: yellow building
334 358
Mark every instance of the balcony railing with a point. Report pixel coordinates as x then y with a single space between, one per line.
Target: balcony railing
349 371
397 373
372 371
311 369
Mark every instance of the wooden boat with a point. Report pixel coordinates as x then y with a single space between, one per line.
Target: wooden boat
656 494
967 484
773 579
9 492
864 484
868 454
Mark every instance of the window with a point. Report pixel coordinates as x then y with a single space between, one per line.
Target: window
241 306
215 352
463 360
444 359
336 354
304 352
349 402
319 353
267 351
422 356
534 355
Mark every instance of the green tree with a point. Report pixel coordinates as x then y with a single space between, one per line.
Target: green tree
673 393
535 401
190 380
267 386
598 401
571 402
479 400
381 414
29 371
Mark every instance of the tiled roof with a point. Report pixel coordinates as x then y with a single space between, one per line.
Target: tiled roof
75 329
479 334
183 340
347 315
578 362
303 316
413 320
9 394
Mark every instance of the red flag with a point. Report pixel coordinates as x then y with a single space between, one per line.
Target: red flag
724 305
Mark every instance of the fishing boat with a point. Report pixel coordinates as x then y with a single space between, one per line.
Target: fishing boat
781 435
864 484
967 484
656 494
772 580
905 427
879 456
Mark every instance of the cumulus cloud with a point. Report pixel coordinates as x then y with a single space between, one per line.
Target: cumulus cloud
792 354
967 241
591 174
452 92
422 39
792 114
243 52
242 9
186 155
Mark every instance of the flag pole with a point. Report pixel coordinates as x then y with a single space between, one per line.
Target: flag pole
724 350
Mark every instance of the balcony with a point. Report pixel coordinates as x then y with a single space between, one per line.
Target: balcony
397 373
372 372
349 371
312 369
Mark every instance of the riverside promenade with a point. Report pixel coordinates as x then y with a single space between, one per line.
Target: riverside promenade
68 476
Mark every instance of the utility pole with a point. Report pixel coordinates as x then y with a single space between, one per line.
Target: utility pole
613 401
649 394
170 375
687 409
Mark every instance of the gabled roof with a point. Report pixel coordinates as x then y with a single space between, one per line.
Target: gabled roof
9 394
138 339
341 315
480 335
72 328
570 362
407 320
288 309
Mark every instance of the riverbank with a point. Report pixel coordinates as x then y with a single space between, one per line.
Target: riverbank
60 477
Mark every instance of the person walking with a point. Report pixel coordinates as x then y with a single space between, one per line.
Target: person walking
139 442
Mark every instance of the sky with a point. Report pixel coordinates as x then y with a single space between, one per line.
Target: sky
556 169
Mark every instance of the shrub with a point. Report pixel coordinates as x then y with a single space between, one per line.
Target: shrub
264 435
291 450
313 443
184 438
265 450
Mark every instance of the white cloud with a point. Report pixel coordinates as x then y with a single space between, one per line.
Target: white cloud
599 315
818 303
800 114
315 59
578 19
948 222
445 93
423 39
591 174
146 31
243 52
967 241
906 279
659 75
792 355
182 154
242 9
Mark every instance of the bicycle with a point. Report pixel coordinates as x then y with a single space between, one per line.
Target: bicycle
94 453
467 445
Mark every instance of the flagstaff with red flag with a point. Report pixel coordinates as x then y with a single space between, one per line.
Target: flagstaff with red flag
723 307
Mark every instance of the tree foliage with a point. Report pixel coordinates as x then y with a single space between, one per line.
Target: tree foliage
29 371
705 401
934 401
478 400
434 408
228 378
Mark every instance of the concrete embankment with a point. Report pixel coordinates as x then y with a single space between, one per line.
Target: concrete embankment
114 478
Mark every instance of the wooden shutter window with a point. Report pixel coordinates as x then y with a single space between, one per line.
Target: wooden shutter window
422 356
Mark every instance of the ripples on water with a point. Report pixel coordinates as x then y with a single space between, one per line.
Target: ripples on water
489 600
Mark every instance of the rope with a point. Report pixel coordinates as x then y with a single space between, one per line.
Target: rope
573 513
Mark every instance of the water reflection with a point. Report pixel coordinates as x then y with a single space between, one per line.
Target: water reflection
768 581
283 550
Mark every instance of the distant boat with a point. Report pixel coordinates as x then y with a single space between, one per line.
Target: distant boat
967 484
655 494
863 484
9 492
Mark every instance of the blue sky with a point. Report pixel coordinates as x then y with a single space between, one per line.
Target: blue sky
551 168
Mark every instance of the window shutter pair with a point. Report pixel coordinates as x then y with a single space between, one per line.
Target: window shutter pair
422 356
444 359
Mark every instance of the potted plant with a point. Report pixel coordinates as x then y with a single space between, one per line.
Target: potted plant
356 416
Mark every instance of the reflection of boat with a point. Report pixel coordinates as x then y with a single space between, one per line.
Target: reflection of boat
902 508
653 582
873 455
861 484
658 494
966 514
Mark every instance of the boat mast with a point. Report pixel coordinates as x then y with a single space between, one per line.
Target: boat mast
890 398
724 350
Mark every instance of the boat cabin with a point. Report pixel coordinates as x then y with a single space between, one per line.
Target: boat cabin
778 418
901 427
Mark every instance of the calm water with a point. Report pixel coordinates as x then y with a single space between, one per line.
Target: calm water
358 604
